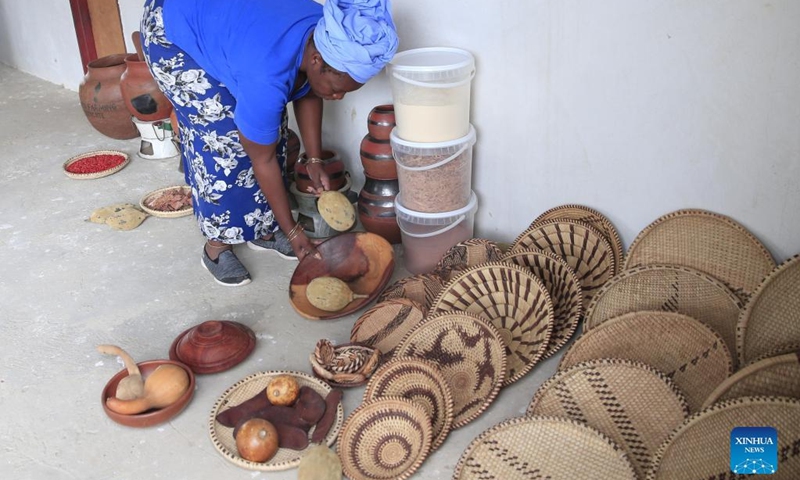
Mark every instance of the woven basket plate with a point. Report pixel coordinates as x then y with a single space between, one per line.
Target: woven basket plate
515 301
700 448
564 289
670 289
705 241
584 248
772 317
420 381
222 436
422 288
387 438
385 324
690 353
541 448
103 173
632 403
470 354
463 255
774 377
163 213
593 218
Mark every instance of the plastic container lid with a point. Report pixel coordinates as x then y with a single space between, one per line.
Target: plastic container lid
433 219
449 148
433 64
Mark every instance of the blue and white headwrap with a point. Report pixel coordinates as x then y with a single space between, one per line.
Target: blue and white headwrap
356 36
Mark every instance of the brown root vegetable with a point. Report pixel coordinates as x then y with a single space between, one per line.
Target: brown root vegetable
283 390
257 440
310 406
326 422
234 415
278 414
330 294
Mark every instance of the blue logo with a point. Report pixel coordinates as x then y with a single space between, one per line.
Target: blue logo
754 450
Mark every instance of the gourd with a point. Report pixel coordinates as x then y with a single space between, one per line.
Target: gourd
132 385
320 463
330 294
336 209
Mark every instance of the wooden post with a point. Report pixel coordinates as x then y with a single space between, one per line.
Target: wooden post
98 27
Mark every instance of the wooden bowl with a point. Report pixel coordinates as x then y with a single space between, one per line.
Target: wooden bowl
150 417
365 261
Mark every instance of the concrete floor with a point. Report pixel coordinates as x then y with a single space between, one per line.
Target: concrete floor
68 285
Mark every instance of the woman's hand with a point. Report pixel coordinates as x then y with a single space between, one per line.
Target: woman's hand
319 177
303 246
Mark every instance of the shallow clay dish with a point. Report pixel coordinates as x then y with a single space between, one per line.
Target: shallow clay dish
213 346
365 261
150 417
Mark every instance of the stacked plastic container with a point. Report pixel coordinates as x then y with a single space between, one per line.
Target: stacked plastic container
432 145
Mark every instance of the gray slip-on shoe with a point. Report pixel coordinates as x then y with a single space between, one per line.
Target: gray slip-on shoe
278 244
227 270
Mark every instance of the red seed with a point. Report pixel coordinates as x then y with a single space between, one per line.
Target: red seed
95 163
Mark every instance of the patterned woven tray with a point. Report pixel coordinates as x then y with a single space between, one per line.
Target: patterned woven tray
385 324
420 381
775 377
470 354
771 320
689 352
463 255
387 438
421 288
591 217
564 289
700 448
668 288
100 174
143 203
582 246
541 448
632 403
705 241
515 301
222 436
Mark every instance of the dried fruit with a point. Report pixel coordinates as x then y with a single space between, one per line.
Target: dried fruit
336 209
330 294
283 390
320 463
257 440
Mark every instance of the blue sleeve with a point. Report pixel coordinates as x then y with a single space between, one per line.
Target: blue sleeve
259 111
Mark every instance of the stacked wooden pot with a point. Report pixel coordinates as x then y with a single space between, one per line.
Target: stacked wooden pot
376 202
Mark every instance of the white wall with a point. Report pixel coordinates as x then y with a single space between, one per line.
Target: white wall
633 108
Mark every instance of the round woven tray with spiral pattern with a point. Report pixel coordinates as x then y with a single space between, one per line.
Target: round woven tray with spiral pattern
541 448
420 381
582 246
470 354
700 448
593 218
564 290
771 319
632 403
421 288
222 436
668 288
775 377
387 438
385 324
468 253
705 241
514 300
693 355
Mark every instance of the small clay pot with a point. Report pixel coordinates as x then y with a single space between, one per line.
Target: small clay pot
333 165
376 208
380 121
143 99
377 159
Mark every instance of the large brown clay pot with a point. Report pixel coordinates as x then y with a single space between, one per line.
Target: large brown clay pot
334 166
376 208
377 159
101 98
140 91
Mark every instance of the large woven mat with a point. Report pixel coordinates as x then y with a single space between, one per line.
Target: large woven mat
668 288
541 448
700 448
421 288
593 218
385 324
690 353
470 354
583 247
386 438
632 403
468 253
517 304
705 241
420 381
771 320
564 288
775 377
222 436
